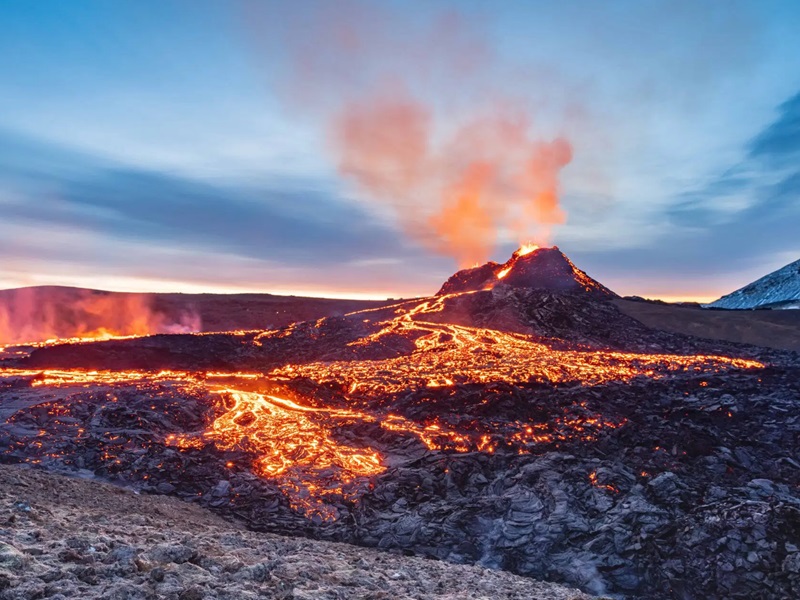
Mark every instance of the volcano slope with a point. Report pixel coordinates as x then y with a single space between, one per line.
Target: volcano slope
531 428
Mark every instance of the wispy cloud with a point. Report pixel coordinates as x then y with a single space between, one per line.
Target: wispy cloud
745 220
148 205
84 209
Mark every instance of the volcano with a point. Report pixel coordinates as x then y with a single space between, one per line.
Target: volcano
529 267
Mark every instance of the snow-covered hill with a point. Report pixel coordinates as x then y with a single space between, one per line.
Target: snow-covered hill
779 289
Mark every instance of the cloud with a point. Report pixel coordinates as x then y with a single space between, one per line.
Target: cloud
70 217
780 142
758 190
424 117
746 218
53 187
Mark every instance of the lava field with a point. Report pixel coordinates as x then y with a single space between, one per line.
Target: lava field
539 431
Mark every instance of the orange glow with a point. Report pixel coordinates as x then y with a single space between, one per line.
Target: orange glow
595 483
465 225
39 314
476 355
454 194
294 446
294 443
526 249
523 250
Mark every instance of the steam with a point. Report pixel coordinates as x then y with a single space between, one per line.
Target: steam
415 119
40 314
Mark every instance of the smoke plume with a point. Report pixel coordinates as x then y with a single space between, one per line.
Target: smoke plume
416 118
40 314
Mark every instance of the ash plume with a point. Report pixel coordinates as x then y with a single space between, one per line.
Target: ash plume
422 117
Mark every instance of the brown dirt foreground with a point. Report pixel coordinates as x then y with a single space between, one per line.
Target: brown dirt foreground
71 538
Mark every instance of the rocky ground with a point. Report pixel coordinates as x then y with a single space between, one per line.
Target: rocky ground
70 538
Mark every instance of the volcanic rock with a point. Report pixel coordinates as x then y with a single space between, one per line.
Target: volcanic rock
660 507
475 278
203 556
539 269
11 558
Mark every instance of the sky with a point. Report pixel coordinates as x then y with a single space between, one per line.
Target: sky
369 149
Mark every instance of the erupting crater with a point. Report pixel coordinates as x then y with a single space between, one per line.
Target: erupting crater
529 267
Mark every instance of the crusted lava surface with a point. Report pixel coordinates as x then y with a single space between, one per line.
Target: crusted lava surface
533 429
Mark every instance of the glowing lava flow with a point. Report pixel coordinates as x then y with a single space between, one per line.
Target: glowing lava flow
470 355
292 447
479 355
295 445
24 348
523 250
316 454
292 444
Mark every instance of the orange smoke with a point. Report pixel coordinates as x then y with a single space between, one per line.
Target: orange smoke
417 121
457 194
383 144
45 313
464 226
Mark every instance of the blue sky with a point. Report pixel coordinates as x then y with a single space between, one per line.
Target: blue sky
161 145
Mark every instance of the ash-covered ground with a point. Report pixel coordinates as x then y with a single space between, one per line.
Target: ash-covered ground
541 432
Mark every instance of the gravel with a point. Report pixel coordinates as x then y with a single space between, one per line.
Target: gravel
70 538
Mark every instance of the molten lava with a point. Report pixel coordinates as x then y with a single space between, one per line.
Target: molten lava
526 249
523 250
291 445
475 355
